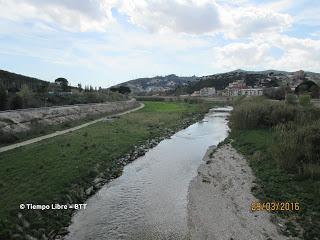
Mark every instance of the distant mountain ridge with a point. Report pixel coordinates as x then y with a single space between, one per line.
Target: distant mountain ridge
158 83
181 85
266 78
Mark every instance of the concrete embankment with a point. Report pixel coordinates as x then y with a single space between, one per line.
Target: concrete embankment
219 200
24 120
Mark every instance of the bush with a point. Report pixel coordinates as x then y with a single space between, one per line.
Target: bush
6 138
16 102
291 99
296 146
3 98
305 100
264 114
253 115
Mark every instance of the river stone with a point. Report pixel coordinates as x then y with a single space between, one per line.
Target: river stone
89 191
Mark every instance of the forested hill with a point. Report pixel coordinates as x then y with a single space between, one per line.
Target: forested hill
158 83
268 78
11 81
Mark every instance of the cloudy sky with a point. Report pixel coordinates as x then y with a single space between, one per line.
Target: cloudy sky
104 42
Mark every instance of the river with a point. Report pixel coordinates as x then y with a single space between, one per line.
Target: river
149 200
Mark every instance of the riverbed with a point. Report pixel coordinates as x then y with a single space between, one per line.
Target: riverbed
149 200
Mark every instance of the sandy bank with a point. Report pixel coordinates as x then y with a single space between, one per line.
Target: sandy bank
220 197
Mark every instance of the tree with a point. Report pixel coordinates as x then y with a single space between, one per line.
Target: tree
3 98
16 102
315 91
63 83
80 87
26 95
121 89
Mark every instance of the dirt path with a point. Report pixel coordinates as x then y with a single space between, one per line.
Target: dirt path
219 201
38 139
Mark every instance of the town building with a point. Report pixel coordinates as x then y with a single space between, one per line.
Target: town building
207 92
239 88
195 94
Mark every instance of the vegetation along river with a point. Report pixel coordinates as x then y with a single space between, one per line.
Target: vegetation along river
149 200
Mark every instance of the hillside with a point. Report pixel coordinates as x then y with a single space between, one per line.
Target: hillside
268 78
13 81
158 84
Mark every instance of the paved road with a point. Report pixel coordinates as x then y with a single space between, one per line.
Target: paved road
38 139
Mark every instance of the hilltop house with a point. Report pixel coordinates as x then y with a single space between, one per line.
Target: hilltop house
239 88
207 92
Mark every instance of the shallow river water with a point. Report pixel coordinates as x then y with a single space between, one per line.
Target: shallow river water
149 200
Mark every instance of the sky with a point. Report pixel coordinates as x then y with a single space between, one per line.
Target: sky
106 42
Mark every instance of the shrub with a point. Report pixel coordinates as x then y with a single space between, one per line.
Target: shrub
265 113
3 98
253 115
305 100
6 138
296 146
16 102
291 99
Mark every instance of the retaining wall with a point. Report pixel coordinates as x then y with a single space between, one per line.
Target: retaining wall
25 119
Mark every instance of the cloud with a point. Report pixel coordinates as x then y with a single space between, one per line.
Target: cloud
240 55
245 21
72 15
195 17
296 53
184 16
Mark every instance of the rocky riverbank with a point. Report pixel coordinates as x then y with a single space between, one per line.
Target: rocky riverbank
219 200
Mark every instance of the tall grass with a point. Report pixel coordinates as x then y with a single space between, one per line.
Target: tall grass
260 113
297 148
296 145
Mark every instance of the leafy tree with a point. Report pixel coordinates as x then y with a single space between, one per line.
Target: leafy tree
16 102
121 89
63 83
3 98
315 91
26 95
80 87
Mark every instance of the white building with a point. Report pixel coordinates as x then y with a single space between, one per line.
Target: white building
195 94
252 92
208 92
244 92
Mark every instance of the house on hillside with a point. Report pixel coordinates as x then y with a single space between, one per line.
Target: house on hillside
239 88
195 94
207 92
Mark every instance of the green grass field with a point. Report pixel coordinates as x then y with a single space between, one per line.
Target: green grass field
277 185
45 172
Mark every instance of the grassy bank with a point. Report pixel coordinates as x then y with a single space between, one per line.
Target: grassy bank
61 169
281 143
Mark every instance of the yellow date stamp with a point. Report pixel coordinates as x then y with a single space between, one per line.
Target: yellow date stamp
275 206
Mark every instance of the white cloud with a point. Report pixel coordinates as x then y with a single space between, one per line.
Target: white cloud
180 16
296 54
186 16
71 15
245 21
240 55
